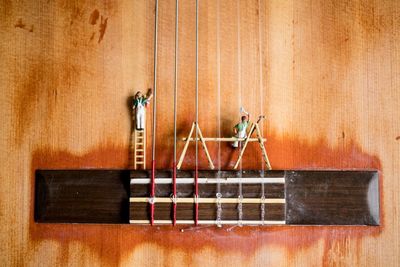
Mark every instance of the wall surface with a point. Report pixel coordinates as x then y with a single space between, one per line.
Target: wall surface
325 73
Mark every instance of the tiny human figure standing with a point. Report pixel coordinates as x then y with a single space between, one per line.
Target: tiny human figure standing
240 128
140 102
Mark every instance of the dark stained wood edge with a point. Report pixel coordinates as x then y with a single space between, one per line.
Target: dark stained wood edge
82 196
332 198
40 197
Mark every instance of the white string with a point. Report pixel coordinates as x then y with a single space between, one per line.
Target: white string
174 192
218 194
195 228
240 195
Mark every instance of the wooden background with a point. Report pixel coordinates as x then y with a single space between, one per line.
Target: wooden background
325 73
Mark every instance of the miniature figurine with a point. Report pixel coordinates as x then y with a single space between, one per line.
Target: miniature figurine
241 127
140 102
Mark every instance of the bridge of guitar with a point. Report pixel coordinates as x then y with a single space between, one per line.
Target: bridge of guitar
268 198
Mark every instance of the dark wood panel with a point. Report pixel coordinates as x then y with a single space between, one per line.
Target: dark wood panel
332 197
82 196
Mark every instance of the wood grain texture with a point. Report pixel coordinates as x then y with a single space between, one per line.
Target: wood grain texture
328 84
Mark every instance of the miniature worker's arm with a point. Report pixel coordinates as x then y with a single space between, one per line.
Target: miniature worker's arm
149 95
242 110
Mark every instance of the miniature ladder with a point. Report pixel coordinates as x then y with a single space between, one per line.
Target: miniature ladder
139 157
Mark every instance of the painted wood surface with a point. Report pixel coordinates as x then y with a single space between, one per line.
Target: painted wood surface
325 74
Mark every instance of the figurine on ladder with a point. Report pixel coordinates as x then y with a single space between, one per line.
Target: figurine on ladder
140 102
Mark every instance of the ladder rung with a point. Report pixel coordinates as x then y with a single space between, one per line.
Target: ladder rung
140 150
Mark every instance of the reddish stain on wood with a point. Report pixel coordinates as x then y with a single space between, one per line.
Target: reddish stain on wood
94 16
31 88
19 24
102 28
121 240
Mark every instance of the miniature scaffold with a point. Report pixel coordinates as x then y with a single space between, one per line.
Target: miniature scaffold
254 127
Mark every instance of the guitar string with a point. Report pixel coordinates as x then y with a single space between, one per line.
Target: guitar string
196 189
240 194
174 193
218 194
262 206
152 189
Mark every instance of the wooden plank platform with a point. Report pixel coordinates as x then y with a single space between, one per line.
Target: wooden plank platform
307 197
